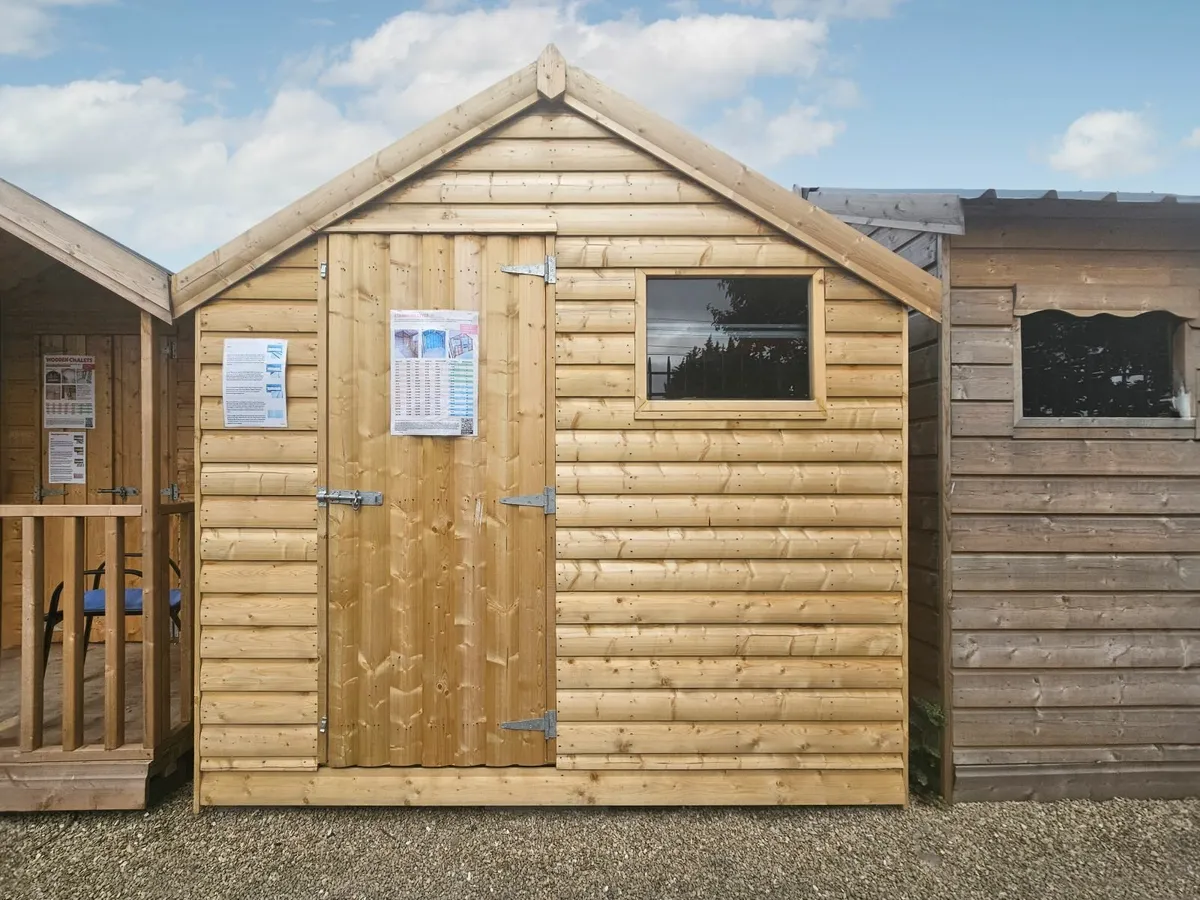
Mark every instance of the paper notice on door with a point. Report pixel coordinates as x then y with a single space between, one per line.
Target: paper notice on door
68 391
68 457
252 383
435 372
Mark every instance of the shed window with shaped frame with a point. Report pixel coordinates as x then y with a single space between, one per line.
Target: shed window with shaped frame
714 343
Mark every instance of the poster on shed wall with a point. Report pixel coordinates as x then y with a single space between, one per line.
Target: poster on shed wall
68 391
253 379
67 452
435 372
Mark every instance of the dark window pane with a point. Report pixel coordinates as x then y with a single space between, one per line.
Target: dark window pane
1074 366
727 338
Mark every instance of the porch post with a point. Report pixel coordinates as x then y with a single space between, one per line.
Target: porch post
155 638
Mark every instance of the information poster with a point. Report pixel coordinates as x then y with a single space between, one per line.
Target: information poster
69 391
435 372
252 383
68 457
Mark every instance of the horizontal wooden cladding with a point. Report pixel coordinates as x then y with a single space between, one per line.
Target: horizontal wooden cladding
977 382
1114 229
1104 298
632 673
1074 649
618 381
668 252
1076 687
1081 572
593 381
543 126
1089 781
725 574
259 764
729 543
254 642
723 509
981 419
880 316
618 413
606 349
728 640
259 317
1081 495
274 284
1075 534
592 316
1073 456
258 577
986 611
1005 268
727 761
301 414
675 607
728 446
864 381
258 544
301 350
728 706
632 219
258 512
564 155
728 478
258 674
258 479
594 284
982 345
257 708
1096 754
741 737
455 188
258 740
271 447
1086 725
981 307
864 349
258 609
300 381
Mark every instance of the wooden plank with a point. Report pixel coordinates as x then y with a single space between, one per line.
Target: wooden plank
657 252
258 512
982 728
1082 782
258 479
1074 649
258 674
984 611
551 125
1108 298
252 447
745 672
301 413
593 381
593 316
990 419
1048 688
1079 495
981 307
982 383
275 284
587 413
552 156
188 557
728 640
301 381
1082 572
877 316
258 544
728 706
982 345
1093 755
1106 229
258 609
261 316
864 381
72 632
551 187
1005 268
675 607
33 593
725 510
258 577
729 543
114 637
1073 456
64 511
258 708
841 285
259 764
626 762
863 349
594 284
645 737
1075 534
258 740
274 642
729 446
728 478
594 349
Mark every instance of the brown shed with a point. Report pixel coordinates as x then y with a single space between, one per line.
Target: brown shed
669 568
1055 589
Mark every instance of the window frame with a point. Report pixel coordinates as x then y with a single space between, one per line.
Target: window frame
725 408
1092 426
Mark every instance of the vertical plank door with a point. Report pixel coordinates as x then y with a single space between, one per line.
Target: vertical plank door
437 615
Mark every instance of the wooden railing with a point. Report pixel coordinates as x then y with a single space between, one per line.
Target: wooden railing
156 656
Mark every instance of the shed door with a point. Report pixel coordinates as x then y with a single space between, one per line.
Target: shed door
437 599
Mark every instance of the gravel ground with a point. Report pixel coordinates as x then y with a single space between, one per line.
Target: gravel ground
1005 850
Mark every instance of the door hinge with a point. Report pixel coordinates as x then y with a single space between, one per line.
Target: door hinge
121 490
324 269
547 271
545 500
353 499
171 492
170 348
547 724
323 725
41 492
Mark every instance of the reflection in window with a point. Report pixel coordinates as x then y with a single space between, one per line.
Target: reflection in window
1075 366
727 338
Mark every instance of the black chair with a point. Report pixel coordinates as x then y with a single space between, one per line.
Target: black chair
94 604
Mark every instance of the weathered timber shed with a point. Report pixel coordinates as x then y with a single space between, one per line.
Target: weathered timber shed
95 423
1055 513
692 395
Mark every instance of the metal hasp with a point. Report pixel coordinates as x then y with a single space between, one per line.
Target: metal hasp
353 499
171 492
547 271
41 492
545 500
547 723
120 490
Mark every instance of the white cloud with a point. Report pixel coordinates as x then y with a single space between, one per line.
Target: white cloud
26 26
1107 143
760 139
1193 139
828 9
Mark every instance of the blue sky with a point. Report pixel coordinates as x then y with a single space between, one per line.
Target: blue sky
173 125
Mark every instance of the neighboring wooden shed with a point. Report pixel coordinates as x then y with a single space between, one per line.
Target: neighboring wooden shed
1056 551
65 289
714 613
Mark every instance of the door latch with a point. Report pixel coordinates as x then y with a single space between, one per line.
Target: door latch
121 490
353 499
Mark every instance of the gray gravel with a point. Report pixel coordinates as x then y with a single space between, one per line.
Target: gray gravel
1068 850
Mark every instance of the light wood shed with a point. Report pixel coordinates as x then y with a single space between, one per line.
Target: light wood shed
1055 537
708 604
93 363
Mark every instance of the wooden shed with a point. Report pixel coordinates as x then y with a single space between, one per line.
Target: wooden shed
95 467
670 567
1055 552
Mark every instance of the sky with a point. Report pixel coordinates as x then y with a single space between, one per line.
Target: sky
173 125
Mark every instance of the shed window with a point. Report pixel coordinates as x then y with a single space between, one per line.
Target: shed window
1098 366
730 338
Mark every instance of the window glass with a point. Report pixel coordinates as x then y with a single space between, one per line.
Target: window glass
738 338
1076 366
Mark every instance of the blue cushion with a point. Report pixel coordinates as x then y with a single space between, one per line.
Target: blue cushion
93 601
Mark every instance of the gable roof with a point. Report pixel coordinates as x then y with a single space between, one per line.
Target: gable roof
552 79
82 248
